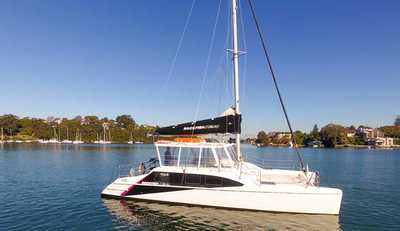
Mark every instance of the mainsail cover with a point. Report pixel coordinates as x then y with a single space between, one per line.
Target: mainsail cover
222 124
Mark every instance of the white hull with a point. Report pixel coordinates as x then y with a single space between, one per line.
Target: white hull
273 198
102 142
147 214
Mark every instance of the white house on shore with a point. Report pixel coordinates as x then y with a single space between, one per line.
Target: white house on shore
374 137
384 141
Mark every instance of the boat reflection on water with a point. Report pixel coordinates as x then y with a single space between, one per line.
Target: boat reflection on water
155 216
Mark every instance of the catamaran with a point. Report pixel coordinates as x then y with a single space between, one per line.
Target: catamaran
190 169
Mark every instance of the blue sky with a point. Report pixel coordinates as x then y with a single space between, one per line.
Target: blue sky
336 61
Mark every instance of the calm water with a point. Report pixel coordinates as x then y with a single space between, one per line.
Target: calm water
57 187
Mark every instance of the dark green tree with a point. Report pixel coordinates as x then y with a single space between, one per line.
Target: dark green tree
262 138
125 121
41 129
315 134
10 124
391 131
299 137
26 126
333 134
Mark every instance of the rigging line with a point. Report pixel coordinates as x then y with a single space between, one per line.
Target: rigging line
244 72
228 94
276 84
222 63
207 62
172 67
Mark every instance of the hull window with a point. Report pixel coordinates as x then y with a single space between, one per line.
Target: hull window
213 181
175 178
180 179
192 179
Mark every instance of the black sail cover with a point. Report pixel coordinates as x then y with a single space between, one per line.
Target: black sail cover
223 124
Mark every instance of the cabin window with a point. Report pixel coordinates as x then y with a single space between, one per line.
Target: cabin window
232 152
223 158
213 180
169 155
189 157
207 158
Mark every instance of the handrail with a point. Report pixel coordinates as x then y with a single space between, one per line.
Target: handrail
271 164
137 168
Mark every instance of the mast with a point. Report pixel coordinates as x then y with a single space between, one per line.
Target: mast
104 132
54 132
235 53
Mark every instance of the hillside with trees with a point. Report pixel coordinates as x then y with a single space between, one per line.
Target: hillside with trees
331 135
89 128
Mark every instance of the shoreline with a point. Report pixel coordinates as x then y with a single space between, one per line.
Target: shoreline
345 146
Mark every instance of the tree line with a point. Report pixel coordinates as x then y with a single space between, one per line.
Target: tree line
330 135
88 128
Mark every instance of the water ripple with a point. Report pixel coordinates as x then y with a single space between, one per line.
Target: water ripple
57 188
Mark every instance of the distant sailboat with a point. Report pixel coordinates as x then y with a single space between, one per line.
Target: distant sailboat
54 140
78 137
67 141
104 140
130 139
97 141
2 136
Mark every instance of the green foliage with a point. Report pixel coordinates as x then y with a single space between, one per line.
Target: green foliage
10 124
315 135
333 134
356 140
89 128
330 135
299 137
262 138
125 121
26 126
315 129
391 131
